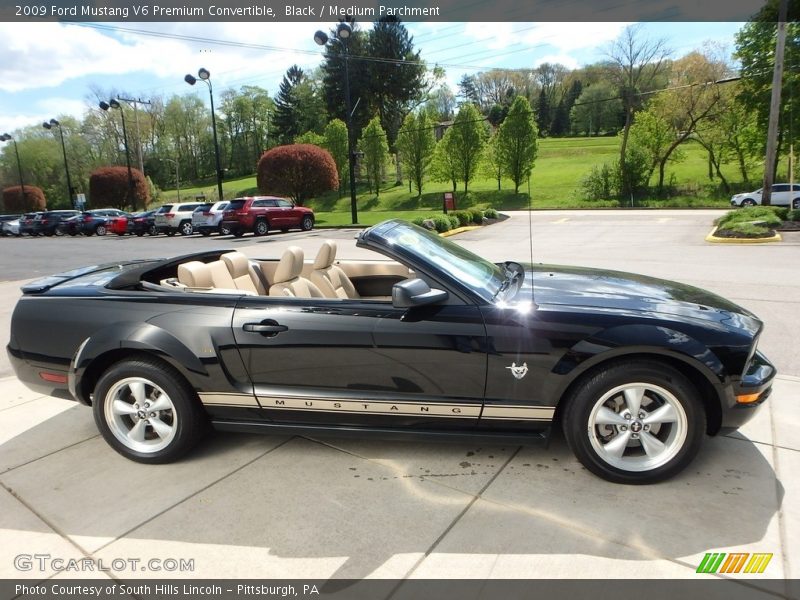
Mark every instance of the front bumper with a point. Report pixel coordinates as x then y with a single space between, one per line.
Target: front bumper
756 385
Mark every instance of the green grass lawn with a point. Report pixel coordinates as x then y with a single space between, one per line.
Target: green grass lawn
560 166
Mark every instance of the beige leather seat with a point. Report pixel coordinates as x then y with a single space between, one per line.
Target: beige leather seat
195 274
243 273
287 280
330 279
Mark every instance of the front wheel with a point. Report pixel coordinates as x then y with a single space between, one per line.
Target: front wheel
186 228
152 230
261 228
748 202
307 224
147 412
100 230
637 422
224 230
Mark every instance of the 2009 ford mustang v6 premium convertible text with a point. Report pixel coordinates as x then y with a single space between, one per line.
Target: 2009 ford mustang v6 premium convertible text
436 340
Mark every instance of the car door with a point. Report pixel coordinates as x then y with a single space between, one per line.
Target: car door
780 194
363 363
290 217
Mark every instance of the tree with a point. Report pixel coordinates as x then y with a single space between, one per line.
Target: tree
441 104
560 124
597 109
637 63
492 164
299 171
376 150
467 141
110 186
444 166
543 116
516 142
298 107
335 142
309 137
15 202
653 136
468 89
415 144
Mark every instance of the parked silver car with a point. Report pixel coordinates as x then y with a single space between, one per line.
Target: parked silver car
10 227
783 194
173 218
207 218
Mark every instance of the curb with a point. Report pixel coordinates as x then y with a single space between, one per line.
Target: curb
722 240
458 230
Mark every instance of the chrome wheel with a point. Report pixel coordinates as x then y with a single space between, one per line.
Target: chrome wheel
637 427
140 415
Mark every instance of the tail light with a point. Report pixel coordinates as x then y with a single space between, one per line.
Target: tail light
169 215
87 218
207 213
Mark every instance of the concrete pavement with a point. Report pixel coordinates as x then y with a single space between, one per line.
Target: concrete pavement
278 506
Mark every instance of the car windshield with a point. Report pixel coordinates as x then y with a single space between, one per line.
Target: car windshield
422 246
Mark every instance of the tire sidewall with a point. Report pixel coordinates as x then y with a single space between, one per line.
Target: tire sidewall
576 419
189 414
261 228
307 224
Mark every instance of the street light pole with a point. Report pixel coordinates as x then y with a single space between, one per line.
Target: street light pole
7 138
113 103
343 32
49 125
136 102
205 76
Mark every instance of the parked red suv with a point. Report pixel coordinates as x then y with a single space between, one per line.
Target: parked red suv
259 214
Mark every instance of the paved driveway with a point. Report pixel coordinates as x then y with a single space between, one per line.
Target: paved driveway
279 506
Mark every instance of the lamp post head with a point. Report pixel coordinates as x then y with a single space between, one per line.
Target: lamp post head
343 31
190 79
5 137
113 103
47 125
55 122
204 74
321 38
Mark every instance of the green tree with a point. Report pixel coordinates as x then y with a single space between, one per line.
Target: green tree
336 143
543 116
415 144
492 165
444 166
376 150
309 137
298 107
596 109
652 135
516 142
467 141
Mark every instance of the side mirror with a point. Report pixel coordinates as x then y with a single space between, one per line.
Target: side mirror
415 292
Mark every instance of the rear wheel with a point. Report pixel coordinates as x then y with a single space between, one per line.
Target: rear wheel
307 224
100 230
796 203
186 228
748 202
261 227
152 230
224 230
636 422
147 412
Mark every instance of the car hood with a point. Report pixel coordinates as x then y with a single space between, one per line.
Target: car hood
619 291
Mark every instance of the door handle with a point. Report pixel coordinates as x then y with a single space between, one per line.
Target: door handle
267 328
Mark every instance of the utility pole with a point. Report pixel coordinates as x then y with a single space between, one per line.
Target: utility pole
775 107
136 102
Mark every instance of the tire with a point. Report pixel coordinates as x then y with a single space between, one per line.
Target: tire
180 419
595 417
152 230
307 224
59 231
205 232
186 228
261 227
796 203
224 230
100 230
748 202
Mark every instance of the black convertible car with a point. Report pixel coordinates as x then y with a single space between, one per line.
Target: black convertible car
436 340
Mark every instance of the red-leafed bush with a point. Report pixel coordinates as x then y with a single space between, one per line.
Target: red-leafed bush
108 187
299 171
14 202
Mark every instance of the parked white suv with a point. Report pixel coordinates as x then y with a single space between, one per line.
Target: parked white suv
172 218
783 194
207 218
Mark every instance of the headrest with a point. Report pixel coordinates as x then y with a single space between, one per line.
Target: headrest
195 274
326 255
237 263
290 266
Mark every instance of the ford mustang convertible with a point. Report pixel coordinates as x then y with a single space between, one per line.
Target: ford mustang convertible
435 340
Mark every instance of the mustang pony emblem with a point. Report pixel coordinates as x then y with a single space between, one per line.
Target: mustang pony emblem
518 372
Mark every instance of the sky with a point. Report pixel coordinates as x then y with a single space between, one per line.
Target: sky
51 69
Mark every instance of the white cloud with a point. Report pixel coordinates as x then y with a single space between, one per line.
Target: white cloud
564 59
567 37
41 111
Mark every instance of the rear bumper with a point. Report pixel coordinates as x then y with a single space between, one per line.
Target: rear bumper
756 385
30 375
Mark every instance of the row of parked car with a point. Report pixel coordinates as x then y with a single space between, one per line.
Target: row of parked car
257 214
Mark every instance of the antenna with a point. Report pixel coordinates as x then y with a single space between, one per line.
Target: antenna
530 241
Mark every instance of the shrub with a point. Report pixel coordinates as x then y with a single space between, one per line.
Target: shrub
491 213
763 214
599 184
454 222
464 218
108 187
14 202
793 215
299 171
442 223
746 230
418 221
477 216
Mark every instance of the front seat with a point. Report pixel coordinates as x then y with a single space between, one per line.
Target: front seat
287 280
195 274
329 278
